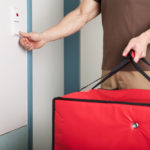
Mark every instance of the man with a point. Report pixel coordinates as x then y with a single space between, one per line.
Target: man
126 25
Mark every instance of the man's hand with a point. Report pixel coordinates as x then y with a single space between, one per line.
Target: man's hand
139 45
31 40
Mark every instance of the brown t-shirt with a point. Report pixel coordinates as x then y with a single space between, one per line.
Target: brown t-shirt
123 20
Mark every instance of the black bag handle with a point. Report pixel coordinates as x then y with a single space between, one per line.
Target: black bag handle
128 59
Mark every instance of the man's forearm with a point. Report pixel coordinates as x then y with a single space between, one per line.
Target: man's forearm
70 24
74 21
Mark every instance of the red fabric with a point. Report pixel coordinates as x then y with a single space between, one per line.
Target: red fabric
133 54
102 126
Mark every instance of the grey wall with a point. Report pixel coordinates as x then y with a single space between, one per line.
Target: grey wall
91 51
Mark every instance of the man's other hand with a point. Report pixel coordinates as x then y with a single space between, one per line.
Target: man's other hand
139 45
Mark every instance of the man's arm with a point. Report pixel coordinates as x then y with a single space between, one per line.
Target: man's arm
139 45
71 23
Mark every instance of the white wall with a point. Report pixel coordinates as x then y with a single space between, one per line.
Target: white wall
13 68
91 51
48 72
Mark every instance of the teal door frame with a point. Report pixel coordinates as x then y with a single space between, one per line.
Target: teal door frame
30 81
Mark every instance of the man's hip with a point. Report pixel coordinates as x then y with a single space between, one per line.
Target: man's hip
126 80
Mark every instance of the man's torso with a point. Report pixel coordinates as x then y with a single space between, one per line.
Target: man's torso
122 20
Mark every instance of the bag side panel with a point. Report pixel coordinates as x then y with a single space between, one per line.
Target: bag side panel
95 126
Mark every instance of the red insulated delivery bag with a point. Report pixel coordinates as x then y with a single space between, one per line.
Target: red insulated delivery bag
100 119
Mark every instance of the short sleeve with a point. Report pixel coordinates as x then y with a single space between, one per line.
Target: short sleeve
98 1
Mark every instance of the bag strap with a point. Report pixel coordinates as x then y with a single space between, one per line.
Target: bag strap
139 69
125 62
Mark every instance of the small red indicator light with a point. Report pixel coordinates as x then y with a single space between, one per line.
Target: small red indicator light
17 14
